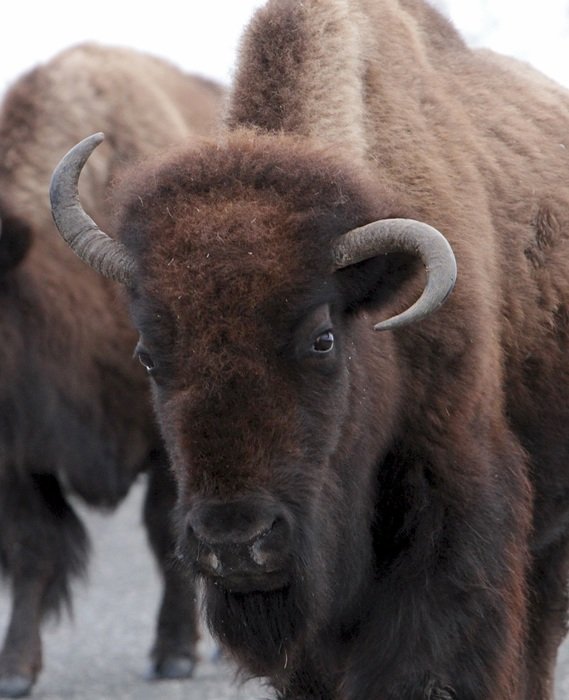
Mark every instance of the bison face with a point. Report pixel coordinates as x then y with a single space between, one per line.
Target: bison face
264 368
256 394
256 352
251 396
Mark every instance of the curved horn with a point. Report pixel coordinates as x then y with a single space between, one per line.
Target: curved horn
406 236
105 255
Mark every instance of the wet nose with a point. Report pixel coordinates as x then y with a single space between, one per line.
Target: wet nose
238 537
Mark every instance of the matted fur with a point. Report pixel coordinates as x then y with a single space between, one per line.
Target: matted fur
423 471
75 412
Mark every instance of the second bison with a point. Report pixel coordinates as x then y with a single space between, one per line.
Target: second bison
75 416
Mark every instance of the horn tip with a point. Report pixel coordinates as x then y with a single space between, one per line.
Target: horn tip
383 326
92 141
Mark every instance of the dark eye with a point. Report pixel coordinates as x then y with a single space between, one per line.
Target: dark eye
144 358
324 343
146 361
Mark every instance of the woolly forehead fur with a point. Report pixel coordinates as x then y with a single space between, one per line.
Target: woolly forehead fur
244 222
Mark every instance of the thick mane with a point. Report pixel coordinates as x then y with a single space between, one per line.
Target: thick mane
327 61
392 83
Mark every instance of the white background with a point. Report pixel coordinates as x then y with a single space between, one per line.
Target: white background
202 35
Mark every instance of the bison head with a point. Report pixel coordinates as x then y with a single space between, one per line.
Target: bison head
252 268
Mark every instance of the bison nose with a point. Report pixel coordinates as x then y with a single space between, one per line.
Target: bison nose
238 538
231 522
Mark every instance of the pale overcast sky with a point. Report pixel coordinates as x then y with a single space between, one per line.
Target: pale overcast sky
201 36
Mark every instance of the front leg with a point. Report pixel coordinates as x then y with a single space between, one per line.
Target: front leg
439 648
174 653
42 545
448 611
21 654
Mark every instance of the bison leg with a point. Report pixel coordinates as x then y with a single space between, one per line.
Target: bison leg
548 618
42 543
174 652
20 659
448 614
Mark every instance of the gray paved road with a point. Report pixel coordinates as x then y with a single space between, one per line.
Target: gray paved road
562 686
101 655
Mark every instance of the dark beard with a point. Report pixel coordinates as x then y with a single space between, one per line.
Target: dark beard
261 629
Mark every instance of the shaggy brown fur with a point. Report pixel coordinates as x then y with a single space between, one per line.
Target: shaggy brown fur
418 478
74 410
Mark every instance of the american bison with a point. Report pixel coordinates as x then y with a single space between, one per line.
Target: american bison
75 411
376 516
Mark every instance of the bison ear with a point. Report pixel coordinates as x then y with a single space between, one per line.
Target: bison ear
373 282
15 240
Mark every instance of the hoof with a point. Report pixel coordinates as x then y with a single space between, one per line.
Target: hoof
171 668
15 686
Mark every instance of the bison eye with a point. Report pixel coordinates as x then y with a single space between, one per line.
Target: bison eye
144 358
146 361
324 343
